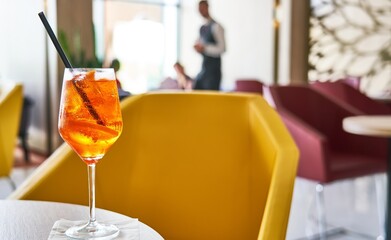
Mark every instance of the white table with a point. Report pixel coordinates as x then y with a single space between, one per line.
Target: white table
370 125
34 219
376 126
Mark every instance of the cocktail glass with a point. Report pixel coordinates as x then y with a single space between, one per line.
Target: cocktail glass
90 121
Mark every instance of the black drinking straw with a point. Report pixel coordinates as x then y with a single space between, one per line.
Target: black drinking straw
67 64
54 40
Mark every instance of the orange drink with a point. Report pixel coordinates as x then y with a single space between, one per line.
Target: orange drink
90 137
90 121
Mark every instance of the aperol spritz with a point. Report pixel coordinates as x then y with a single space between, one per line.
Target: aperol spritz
90 121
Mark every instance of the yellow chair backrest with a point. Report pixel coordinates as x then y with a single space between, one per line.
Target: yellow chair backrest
11 100
190 165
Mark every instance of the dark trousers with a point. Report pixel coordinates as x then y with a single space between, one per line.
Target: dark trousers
210 76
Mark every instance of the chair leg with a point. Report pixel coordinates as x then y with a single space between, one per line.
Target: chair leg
320 208
380 200
26 150
13 185
323 233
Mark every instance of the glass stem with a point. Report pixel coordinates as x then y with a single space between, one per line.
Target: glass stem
91 192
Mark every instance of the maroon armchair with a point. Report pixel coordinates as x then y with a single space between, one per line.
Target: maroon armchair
352 81
249 85
351 96
327 152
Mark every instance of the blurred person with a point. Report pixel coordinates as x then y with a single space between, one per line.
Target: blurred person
169 83
184 81
211 45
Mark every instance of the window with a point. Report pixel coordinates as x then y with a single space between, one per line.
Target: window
142 36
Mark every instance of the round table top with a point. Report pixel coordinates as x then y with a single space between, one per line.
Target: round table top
34 219
370 125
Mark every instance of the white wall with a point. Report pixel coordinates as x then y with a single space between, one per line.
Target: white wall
249 35
22 56
284 69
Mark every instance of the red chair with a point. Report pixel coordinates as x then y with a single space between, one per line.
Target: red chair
327 152
351 81
347 94
249 85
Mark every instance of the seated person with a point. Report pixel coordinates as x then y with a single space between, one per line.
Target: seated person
182 81
169 83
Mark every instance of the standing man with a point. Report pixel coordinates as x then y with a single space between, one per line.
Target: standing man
211 44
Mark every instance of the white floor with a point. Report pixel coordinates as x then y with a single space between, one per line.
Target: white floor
18 175
350 204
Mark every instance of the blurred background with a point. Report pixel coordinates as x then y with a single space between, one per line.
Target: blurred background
276 41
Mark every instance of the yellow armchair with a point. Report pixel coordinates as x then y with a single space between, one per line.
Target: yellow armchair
198 165
11 100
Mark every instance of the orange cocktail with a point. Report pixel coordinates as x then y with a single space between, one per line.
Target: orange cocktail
90 118
90 121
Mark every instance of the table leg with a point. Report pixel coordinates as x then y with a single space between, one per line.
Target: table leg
388 207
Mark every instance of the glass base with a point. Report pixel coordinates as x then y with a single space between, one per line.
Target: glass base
93 230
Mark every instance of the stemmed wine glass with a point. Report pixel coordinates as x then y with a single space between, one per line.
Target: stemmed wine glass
90 122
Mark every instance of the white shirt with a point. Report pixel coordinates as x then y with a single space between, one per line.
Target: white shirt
215 50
